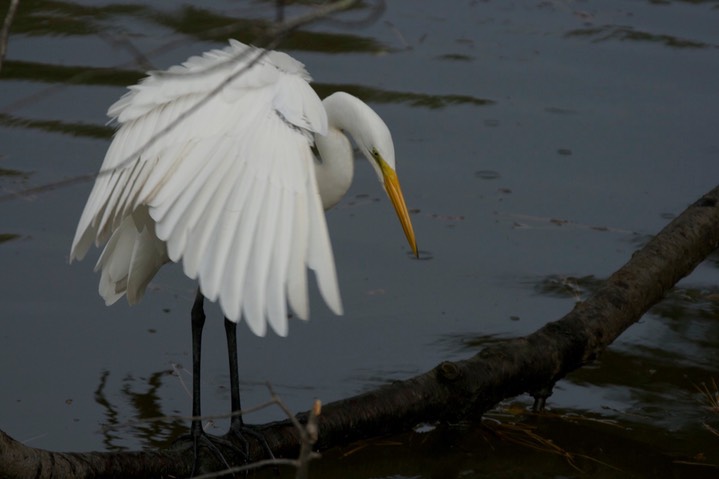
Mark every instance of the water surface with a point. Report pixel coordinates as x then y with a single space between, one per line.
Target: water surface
539 144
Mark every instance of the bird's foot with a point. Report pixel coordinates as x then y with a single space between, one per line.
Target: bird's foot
205 446
242 431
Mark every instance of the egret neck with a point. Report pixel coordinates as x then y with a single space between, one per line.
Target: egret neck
335 166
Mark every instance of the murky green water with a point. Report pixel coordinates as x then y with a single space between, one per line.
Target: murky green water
539 144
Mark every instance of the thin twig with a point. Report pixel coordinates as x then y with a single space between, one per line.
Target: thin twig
309 437
276 399
376 13
5 32
280 15
308 434
123 42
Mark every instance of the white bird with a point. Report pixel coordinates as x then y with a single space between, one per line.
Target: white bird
233 191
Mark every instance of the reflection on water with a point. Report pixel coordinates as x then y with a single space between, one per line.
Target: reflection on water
623 33
58 126
8 237
376 95
139 413
67 74
206 24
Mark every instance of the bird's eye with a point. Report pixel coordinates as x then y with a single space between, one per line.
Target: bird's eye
376 156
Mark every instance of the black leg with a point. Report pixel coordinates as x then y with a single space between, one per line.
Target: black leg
236 426
236 423
196 431
198 322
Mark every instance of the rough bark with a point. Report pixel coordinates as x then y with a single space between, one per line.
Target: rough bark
450 391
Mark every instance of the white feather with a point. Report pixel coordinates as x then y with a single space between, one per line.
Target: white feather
230 190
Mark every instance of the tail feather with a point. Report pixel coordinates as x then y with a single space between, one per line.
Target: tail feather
131 258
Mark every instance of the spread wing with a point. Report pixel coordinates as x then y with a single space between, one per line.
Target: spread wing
230 190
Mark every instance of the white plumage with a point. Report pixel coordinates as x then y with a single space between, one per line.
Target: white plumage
231 190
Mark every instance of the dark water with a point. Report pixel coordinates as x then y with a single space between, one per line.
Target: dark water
539 144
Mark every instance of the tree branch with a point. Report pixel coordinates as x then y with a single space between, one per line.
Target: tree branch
452 390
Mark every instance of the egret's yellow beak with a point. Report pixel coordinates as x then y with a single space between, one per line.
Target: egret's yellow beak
391 185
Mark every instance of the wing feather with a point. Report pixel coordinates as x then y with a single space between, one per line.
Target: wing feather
297 271
276 302
182 216
198 243
230 191
254 288
319 254
233 267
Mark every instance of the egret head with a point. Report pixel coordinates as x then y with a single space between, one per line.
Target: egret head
375 141
370 133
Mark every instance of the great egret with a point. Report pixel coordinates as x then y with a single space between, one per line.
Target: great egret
233 190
